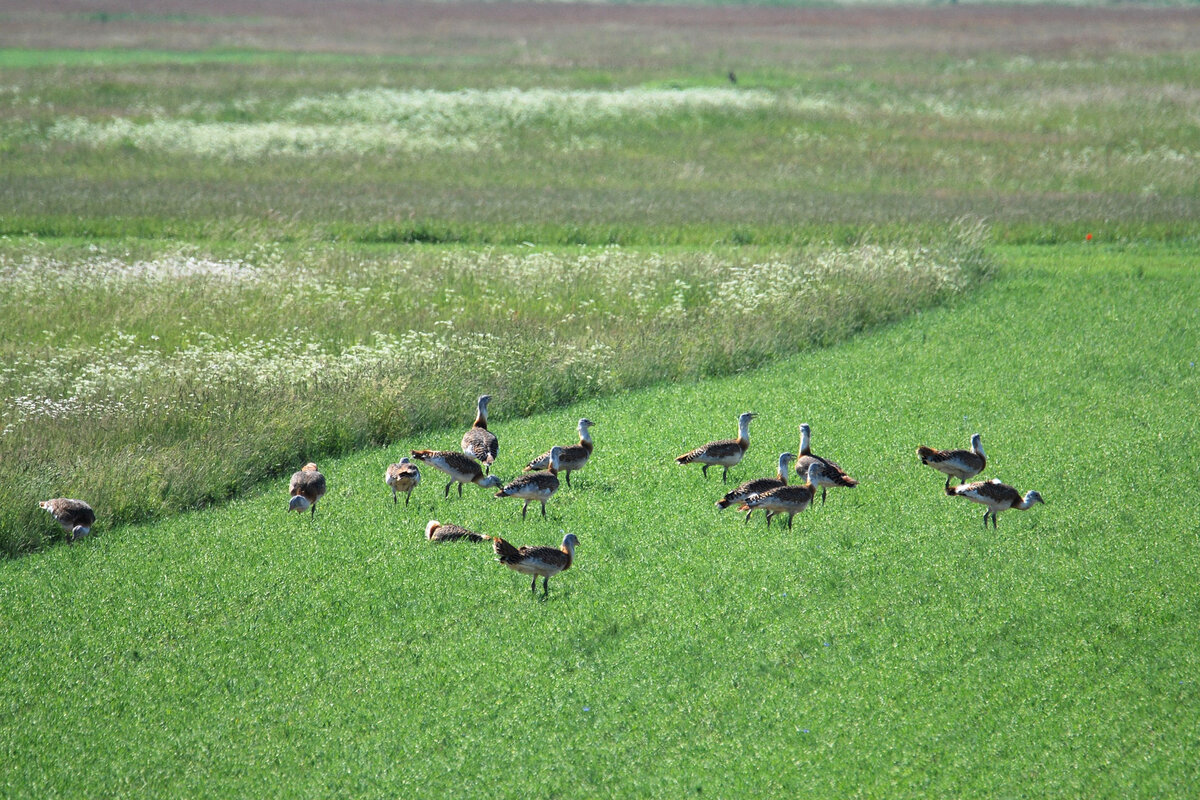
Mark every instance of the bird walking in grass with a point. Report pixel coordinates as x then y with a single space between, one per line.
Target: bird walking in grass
757 486
402 477
535 561
74 516
307 487
478 442
460 467
437 532
572 458
724 453
790 500
961 464
996 496
828 473
539 486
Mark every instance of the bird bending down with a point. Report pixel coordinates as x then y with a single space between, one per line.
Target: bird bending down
478 442
437 532
961 464
535 561
828 473
572 458
724 453
535 485
402 477
307 487
461 468
757 486
996 496
74 516
790 500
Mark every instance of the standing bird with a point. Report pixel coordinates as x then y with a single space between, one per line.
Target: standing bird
535 561
478 442
461 468
572 457
307 487
996 496
437 532
828 473
402 477
790 500
757 486
724 453
961 464
535 485
75 516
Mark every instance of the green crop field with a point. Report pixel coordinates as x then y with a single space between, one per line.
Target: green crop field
234 242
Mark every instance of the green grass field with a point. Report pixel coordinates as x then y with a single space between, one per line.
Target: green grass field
230 244
887 646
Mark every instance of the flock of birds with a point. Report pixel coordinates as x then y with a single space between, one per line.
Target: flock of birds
539 481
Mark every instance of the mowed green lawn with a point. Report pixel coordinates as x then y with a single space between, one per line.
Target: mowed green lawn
888 645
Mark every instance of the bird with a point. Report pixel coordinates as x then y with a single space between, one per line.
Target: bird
460 467
996 496
725 453
535 561
572 457
790 499
757 486
307 487
828 474
961 464
75 516
478 442
437 532
402 477
535 485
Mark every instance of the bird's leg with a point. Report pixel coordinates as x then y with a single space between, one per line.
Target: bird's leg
407 497
790 518
824 489
545 584
525 508
460 490
993 520
313 513
568 477
394 497
447 492
747 519
704 470
543 509
533 586
947 480
985 516
769 515
725 475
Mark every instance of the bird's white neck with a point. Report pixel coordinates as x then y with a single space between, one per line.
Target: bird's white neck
584 434
804 441
977 446
744 429
783 467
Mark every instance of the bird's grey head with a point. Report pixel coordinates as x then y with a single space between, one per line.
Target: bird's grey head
814 471
555 455
298 503
484 399
785 459
586 423
80 531
491 481
570 541
977 442
405 460
747 417
1032 496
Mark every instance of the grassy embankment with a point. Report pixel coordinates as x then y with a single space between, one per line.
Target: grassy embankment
888 645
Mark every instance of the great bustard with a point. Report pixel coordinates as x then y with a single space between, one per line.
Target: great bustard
961 464
437 532
571 458
75 516
535 561
478 442
461 468
790 500
539 486
828 473
724 453
996 496
402 477
757 486
306 487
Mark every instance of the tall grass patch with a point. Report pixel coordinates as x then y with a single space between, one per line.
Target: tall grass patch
148 380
